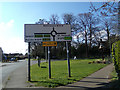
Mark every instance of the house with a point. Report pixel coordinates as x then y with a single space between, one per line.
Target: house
1 54
18 56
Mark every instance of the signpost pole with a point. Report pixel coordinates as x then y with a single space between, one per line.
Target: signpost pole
38 62
29 79
68 59
49 62
46 54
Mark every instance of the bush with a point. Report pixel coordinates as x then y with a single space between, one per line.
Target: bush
116 57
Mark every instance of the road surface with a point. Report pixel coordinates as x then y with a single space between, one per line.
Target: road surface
8 68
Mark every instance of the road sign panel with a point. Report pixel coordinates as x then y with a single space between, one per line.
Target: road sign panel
67 38
51 43
47 32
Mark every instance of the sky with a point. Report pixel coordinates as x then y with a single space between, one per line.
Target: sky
13 16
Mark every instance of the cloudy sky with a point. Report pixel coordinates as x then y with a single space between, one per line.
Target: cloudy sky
13 16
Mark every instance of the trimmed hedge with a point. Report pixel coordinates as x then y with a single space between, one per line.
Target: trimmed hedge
116 57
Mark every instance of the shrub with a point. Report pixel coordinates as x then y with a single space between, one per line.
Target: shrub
116 57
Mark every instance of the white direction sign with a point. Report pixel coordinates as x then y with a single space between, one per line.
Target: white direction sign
47 32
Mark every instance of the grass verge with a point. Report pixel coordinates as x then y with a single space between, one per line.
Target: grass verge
59 72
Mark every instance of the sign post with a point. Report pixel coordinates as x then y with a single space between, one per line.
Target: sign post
69 73
29 78
38 61
49 62
49 34
46 55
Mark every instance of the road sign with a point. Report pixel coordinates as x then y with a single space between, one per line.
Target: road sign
47 32
51 43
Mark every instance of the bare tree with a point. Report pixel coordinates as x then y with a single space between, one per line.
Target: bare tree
92 23
41 21
69 18
82 18
108 12
54 19
106 9
87 26
107 26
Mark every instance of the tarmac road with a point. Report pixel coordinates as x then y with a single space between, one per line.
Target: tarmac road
8 68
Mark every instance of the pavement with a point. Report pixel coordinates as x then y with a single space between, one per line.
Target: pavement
18 79
98 79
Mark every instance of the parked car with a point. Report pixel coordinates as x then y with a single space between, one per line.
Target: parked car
12 59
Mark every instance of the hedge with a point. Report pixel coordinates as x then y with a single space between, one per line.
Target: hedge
116 57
